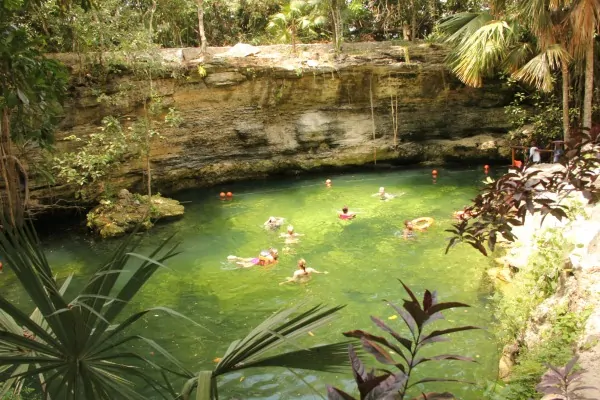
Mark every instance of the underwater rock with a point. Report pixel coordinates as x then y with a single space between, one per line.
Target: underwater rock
115 218
507 360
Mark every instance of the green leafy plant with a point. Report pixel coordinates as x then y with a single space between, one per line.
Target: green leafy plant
93 162
297 16
417 317
278 330
77 345
540 112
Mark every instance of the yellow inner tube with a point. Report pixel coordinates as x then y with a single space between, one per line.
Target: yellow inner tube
422 223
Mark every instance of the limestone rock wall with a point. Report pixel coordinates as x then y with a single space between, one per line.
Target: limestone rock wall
253 116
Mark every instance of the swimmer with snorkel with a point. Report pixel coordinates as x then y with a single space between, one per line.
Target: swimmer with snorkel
345 214
266 257
303 273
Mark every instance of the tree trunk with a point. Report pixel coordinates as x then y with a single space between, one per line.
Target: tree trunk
565 101
338 31
589 87
151 24
294 38
413 21
201 25
13 211
149 174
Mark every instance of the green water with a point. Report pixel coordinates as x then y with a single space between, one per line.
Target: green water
364 258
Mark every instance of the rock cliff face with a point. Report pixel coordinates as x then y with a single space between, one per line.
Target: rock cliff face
253 116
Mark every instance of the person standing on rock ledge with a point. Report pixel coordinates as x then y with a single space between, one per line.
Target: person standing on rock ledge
534 154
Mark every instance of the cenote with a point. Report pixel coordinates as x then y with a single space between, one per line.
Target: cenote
364 257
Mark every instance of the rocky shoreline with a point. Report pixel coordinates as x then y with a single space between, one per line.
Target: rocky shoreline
577 290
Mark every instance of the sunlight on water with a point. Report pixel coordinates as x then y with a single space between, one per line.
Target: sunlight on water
364 258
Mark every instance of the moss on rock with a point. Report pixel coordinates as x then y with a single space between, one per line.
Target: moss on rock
117 217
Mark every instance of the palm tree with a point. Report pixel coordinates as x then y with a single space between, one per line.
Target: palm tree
296 16
203 44
483 44
255 350
585 17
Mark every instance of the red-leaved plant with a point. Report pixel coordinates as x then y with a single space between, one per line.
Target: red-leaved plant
395 385
562 383
504 203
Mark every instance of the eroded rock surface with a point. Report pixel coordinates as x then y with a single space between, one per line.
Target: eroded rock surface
247 117
117 217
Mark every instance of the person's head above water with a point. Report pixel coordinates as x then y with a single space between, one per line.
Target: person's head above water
302 263
274 253
345 209
408 224
382 190
290 229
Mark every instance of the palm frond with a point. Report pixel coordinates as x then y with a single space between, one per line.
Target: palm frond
480 54
517 56
459 26
585 17
539 20
69 345
538 71
335 355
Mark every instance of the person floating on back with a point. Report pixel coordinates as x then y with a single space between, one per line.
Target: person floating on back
274 223
345 214
303 273
266 257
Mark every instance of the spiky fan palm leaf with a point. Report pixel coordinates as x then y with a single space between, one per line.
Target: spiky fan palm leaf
8 324
480 54
538 71
76 344
458 27
256 349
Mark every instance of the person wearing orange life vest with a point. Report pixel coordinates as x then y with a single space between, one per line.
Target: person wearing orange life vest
266 257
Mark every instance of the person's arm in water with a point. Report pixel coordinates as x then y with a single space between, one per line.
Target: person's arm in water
314 271
289 280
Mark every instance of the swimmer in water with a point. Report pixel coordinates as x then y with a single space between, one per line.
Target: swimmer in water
291 236
266 257
409 229
273 223
462 215
345 214
383 195
303 273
